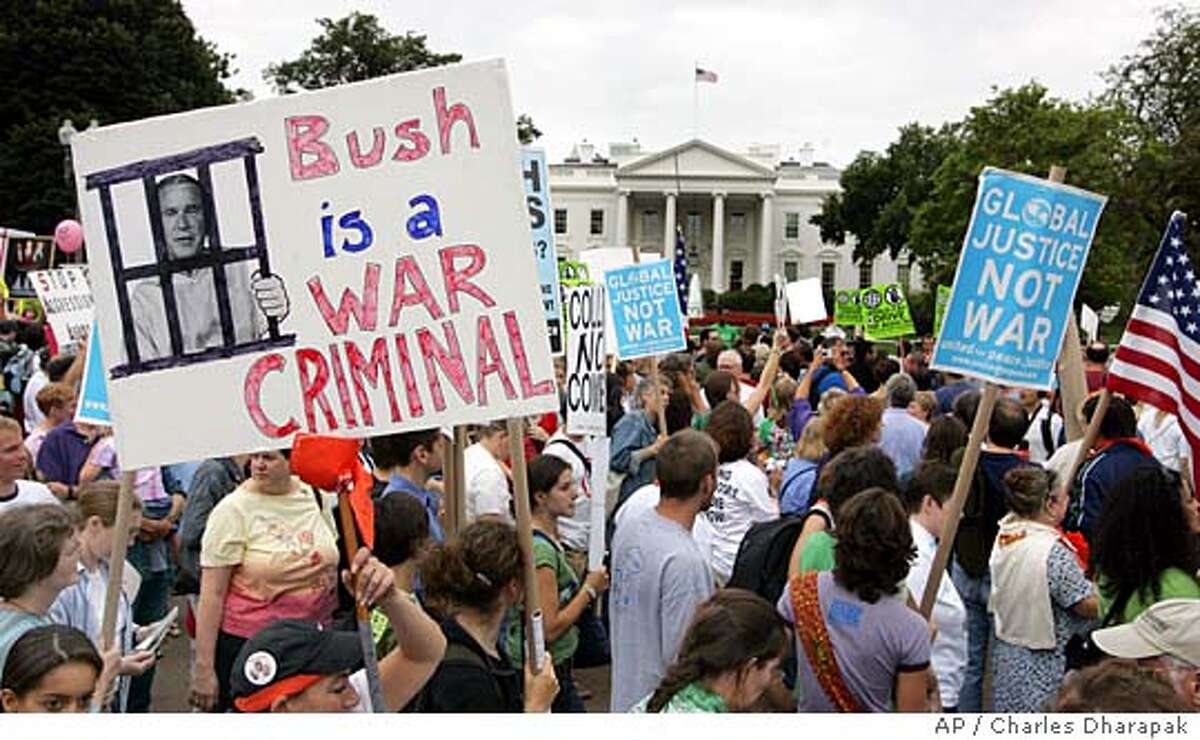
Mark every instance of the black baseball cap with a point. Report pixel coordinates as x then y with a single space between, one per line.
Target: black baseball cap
287 657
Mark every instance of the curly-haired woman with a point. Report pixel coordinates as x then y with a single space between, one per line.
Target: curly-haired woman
859 646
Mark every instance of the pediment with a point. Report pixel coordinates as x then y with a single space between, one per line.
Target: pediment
695 158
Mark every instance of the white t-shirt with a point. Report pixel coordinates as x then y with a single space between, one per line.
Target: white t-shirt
1037 443
33 415
745 392
1165 439
743 498
486 484
28 493
573 531
646 498
1062 459
949 652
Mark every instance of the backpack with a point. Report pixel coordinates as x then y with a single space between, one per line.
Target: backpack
765 555
972 546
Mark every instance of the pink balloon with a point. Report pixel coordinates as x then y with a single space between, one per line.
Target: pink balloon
68 235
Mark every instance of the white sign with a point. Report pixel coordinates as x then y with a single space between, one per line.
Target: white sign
599 484
781 301
806 301
67 300
586 383
1089 321
350 261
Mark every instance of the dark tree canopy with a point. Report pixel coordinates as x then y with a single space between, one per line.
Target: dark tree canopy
353 49
113 61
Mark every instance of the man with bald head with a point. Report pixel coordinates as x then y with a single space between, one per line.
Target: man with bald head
185 230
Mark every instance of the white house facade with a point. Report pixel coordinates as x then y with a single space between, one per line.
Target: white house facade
744 217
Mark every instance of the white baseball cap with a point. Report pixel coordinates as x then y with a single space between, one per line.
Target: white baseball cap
1170 627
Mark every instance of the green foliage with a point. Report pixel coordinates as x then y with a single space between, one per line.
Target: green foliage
114 61
755 297
353 49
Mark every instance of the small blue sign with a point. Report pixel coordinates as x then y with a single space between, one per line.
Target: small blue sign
93 393
541 221
1019 269
645 310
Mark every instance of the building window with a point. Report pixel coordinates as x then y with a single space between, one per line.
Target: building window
828 282
904 273
560 220
791 225
791 271
693 225
651 225
735 275
737 227
597 227
865 270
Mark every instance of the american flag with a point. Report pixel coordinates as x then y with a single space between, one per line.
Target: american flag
681 276
1158 360
704 75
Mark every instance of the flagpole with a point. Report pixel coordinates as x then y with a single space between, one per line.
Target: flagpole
695 101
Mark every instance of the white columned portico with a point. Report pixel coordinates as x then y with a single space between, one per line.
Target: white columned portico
623 219
718 243
766 231
669 227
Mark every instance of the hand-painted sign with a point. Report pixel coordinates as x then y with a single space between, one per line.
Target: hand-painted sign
586 383
541 221
24 255
885 312
319 262
1020 265
645 310
847 310
92 407
67 301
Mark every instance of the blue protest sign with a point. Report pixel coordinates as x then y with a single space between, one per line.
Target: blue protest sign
93 394
645 309
541 221
1020 265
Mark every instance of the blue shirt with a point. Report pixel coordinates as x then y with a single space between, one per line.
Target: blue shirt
902 439
430 500
633 432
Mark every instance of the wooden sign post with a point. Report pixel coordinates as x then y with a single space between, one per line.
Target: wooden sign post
533 614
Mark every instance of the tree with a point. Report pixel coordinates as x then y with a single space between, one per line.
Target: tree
352 49
881 192
113 61
357 48
1026 130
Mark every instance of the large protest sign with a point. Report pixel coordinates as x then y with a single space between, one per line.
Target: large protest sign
1020 265
66 300
25 255
885 313
586 386
343 261
806 301
541 221
645 310
92 407
847 310
941 300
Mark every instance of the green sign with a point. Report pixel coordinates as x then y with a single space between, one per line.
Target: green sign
939 309
573 274
846 308
885 312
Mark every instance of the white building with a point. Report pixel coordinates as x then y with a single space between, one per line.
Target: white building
745 217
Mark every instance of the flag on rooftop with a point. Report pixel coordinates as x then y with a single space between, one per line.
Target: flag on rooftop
704 75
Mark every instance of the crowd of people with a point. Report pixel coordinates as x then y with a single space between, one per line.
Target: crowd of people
773 512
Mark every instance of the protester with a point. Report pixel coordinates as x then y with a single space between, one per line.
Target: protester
1118 687
82 605
743 497
563 600
213 481
41 558
636 442
1040 595
575 530
946 436
1161 432
924 406
901 435
269 553
727 660
14 465
293 665
1145 546
475 578
62 455
1045 426
711 345
965 406
955 386
56 402
859 647
926 496
1164 639
985 506
413 457
1095 365
54 669
824 376
1118 450
61 369
485 482
401 537
774 433
660 575
800 475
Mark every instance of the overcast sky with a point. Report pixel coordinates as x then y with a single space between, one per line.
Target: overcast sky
842 75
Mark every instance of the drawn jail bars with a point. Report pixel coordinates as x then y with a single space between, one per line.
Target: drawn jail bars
215 257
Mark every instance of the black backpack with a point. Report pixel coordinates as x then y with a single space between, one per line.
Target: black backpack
765 554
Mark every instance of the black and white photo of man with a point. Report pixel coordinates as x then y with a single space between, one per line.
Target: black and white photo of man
252 298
